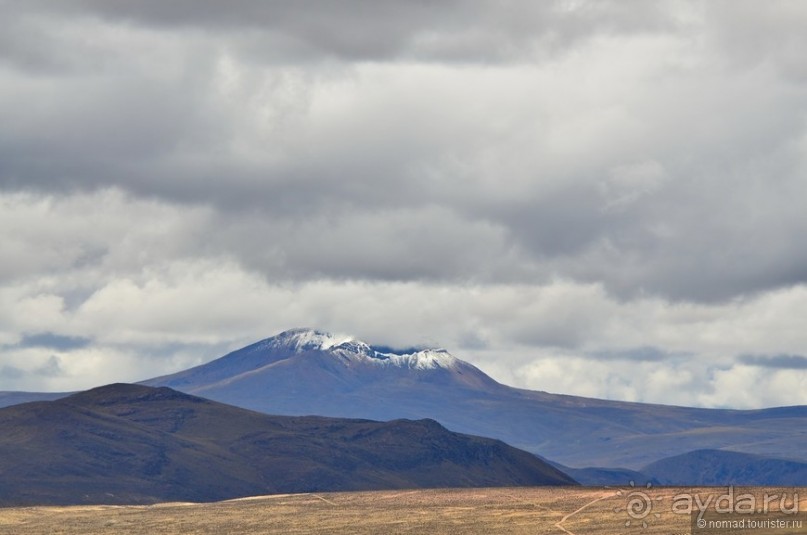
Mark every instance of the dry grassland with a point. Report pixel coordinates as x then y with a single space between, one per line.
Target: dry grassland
536 511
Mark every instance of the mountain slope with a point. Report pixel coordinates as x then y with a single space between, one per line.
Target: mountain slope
136 444
723 468
309 372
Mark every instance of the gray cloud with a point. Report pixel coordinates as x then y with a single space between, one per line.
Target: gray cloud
203 125
11 372
639 354
784 362
461 30
564 159
54 341
51 368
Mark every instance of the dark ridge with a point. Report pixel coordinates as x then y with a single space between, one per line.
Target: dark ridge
119 393
129 444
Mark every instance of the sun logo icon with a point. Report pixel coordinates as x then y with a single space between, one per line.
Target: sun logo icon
638 505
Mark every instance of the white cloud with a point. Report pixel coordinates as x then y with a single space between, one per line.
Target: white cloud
537 188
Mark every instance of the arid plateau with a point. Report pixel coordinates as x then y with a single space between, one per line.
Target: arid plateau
536 510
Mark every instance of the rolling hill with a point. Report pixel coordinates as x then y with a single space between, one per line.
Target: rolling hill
136 444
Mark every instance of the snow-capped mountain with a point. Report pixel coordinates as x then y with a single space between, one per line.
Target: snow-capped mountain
303 371
355 351
306 358
308 372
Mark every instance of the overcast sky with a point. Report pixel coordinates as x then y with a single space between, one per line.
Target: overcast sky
597 198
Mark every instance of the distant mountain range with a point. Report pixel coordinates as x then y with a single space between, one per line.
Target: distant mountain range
307 372
136 444
719 468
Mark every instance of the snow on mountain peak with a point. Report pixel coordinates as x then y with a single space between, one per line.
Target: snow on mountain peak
309 339
425 359
353 350
435 358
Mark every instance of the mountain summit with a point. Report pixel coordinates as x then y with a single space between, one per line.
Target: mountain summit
321 361
351 350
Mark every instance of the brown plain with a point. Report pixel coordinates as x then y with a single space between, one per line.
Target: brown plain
564 511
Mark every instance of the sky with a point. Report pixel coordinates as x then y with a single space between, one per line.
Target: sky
604 199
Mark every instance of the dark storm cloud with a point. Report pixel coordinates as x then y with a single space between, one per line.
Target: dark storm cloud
783 362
